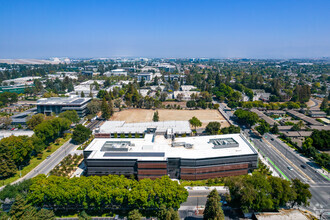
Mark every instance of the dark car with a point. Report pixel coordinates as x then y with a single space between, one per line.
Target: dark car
272 139
303 166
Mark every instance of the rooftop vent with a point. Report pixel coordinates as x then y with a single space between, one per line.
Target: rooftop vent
116 146
220 143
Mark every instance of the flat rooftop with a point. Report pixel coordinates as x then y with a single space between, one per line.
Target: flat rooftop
158 148
62 101
179 127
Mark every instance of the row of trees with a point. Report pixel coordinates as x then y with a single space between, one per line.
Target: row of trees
16 151
259 192
8 98
105 193
271 105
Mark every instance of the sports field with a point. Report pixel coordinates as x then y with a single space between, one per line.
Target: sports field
144 115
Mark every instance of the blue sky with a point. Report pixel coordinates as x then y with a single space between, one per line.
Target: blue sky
219 28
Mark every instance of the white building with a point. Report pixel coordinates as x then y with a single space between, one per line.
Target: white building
146 76
186 95
116 72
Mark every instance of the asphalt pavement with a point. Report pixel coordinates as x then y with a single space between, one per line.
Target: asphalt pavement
288 164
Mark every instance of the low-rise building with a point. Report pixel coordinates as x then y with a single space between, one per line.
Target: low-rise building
260 94
184 95
153 156
317 114
116 72
145 76
61 104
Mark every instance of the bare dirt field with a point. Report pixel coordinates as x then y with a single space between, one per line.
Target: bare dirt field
144 115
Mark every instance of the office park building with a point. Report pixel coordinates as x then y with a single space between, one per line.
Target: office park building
160 152
61 104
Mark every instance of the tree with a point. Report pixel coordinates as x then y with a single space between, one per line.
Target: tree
110 107
246 117
213 209
275 129
84 216
213 128
307 147
5 121
106 113
19 149
81 134
263 127
134 215
195 122
163 96
7 166
71 115
19 208
321 139
180 97
302 192
324 104
94 107
35 120
155 117
45 214
101 94
82 94
232 129
176 86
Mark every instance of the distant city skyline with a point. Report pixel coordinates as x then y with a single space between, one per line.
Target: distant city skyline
153 29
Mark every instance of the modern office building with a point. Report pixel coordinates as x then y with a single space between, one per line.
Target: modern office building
116 72
62 104
145 76
189 158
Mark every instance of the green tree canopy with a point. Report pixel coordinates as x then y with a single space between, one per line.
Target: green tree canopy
213 128
195 122
263 127
213 210
81 134
156 116
106 113
134 215
232 129
35 120
71 115
246 117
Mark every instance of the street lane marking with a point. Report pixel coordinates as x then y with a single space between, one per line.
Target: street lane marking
278 169
325 176
284 157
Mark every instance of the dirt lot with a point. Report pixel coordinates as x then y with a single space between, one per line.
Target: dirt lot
144 115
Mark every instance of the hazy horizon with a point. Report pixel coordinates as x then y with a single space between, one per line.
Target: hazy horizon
154 29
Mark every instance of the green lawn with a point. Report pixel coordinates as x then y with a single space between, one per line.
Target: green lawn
35 161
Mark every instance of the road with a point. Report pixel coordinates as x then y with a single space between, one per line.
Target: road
282 156
316 103
197 198
48 164
94 124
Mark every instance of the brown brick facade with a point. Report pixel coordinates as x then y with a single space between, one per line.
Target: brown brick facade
99 135
213 175
200 170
